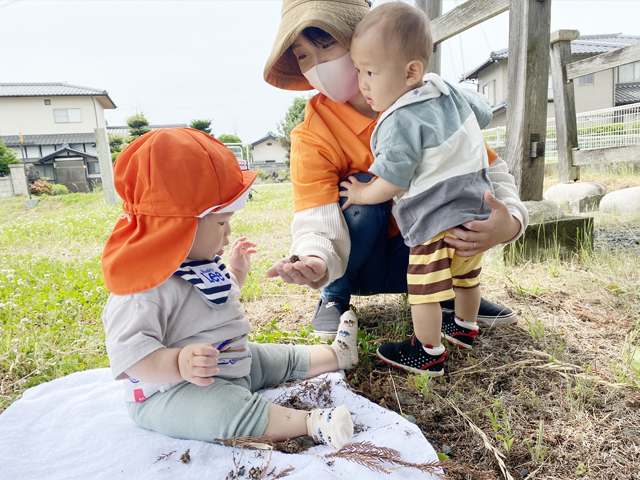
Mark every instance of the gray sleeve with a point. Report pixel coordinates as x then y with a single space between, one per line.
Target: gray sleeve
479 104
134 328
399 148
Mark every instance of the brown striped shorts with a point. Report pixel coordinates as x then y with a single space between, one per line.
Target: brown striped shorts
434 270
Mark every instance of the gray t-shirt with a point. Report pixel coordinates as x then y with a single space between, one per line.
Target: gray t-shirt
174 315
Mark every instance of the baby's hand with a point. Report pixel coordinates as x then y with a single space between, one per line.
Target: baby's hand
353 191
240 254
196 365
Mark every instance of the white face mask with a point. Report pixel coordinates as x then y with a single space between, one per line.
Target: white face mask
337 79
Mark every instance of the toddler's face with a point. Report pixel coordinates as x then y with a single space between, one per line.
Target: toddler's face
211 236
382 76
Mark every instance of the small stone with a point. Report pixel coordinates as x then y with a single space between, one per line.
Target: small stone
411 418
447 450
524 473
241 471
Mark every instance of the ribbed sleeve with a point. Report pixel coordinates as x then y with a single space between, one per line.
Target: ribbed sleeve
504 188
322 232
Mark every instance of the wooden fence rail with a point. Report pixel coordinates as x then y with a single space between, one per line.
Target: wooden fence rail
563 72
465 16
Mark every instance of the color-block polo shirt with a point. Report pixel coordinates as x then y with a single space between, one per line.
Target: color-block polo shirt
331 143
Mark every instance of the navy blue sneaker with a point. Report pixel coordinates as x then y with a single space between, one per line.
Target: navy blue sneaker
489 313
409 355
327 318
459 334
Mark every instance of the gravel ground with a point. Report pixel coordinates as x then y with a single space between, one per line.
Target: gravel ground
627 239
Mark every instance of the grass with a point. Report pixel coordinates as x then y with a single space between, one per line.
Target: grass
557 394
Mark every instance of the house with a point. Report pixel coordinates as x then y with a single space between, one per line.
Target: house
56 121
268 150
606 89
123 130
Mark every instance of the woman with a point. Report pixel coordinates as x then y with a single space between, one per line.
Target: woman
358 250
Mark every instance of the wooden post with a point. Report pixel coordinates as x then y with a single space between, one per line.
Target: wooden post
564 103
106 167
433 9
528 74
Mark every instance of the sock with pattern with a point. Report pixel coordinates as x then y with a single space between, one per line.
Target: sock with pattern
331 426
346 343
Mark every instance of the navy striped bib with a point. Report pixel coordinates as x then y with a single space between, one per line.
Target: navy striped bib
211 278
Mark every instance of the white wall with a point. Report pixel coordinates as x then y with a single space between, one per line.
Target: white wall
588 97
269 150
31 116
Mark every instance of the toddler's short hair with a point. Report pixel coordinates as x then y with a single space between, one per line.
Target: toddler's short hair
406 26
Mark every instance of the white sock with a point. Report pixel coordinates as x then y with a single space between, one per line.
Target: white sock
434 351
331 426
346 343
463 324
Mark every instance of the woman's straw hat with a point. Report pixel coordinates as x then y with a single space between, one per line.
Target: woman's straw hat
336 17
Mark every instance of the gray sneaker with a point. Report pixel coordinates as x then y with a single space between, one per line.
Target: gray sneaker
327 318
489 313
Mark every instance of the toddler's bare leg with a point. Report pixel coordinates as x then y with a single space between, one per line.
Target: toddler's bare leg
322 359
427 322
331 426
285 423
342 353
467 303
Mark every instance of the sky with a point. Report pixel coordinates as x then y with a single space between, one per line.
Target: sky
177 61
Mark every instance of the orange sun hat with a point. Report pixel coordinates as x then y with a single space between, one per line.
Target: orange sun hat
167 179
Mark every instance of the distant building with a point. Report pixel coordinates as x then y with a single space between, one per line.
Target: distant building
123 130
268 150
56 121
606 89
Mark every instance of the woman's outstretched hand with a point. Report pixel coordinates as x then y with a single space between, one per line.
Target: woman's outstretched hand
304 271
482 235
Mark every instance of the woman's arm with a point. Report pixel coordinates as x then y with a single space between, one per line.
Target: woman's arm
509 217
321 240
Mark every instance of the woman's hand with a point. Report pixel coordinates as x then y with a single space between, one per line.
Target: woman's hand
196 365
482 235
240 251
305 271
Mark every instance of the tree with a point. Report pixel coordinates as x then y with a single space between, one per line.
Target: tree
202 125
293 118
138 125
7 157
116 143
228 138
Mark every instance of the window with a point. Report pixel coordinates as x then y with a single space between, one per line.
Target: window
630 73
489 91
269 144
94 167
586 80
67 115
47 102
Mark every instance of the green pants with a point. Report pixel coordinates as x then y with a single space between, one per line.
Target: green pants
228 407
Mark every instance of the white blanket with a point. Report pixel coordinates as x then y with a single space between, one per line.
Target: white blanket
77 427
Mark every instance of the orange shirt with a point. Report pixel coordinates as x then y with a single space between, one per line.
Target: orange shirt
333 142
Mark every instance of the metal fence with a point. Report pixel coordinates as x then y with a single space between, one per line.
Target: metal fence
609 127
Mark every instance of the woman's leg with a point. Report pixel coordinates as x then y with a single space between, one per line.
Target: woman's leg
368 230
